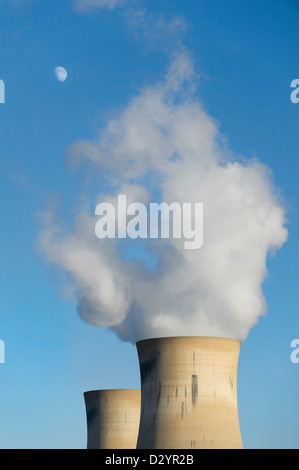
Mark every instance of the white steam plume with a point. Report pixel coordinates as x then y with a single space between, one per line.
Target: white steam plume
87 6
164 145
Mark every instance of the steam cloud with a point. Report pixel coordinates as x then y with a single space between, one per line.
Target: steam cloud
87 6
163 145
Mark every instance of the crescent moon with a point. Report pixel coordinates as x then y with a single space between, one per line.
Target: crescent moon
60 73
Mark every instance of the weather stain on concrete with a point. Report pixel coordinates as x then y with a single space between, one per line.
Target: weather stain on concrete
194 388
159 393
147 366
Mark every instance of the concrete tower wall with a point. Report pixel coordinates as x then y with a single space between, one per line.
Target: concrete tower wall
112 418
189 393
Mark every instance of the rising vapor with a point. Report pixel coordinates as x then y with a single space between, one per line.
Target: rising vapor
164 146
89 6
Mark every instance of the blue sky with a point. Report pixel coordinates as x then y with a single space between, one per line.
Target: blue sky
246 56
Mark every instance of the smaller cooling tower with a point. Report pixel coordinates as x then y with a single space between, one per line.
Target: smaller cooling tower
189 393
112 418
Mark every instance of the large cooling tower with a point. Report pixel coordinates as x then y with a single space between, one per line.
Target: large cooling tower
189 393
112 418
